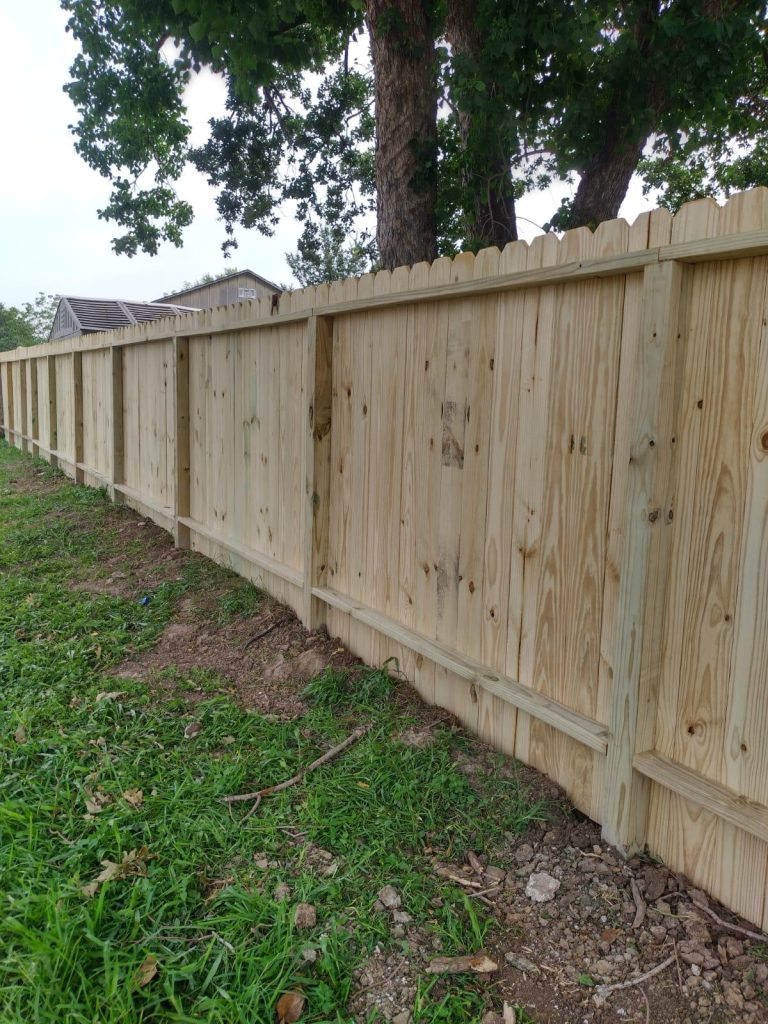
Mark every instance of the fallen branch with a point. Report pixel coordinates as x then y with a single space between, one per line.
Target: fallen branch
326 757
605 990
757 936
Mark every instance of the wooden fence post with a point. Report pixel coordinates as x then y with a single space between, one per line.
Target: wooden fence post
24 407
9 413
53 427
118 443
317 388
77 407
182 439
34 426
639 537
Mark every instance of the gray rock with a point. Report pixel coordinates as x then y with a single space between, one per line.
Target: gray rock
541 887
523 853
521 963
389 897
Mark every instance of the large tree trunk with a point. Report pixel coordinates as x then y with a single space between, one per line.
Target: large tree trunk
604 183
486 173
403 54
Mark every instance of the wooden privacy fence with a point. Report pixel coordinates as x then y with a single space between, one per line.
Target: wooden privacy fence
538 478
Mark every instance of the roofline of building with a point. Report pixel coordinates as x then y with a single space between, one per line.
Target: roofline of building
219 280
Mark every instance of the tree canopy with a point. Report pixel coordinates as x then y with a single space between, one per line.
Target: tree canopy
29 324
465 106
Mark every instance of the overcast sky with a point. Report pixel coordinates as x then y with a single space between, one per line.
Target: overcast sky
51 238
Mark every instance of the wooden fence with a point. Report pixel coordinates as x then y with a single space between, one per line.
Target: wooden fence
538 478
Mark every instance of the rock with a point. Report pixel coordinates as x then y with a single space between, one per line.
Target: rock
521 963
262 863
734 1000
733 947
609 936
309 955
659 933
305 916
306 666
281 893
494 875
541 887
400 917
389 897
404 1017
523 853
655 883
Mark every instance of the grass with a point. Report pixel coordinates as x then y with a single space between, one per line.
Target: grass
193 903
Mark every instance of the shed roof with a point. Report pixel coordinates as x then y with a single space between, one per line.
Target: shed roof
90 315
219 280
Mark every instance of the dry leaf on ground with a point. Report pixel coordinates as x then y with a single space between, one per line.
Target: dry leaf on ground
109 695
133 865
96 800
20 735
290 1007
134 797
146 972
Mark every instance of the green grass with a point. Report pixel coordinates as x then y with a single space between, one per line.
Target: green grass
200 905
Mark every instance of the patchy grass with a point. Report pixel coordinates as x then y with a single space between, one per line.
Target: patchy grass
93 772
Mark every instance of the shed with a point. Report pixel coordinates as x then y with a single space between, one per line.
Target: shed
78 315
244 284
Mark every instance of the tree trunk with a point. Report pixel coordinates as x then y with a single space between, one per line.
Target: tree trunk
486 173
604 183
403 54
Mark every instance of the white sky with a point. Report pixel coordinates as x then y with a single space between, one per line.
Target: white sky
51 238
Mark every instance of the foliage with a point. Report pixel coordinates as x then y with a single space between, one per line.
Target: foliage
324 254
28 325
95 769
529 94
210 278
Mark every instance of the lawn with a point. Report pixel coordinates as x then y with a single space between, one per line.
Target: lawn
129 892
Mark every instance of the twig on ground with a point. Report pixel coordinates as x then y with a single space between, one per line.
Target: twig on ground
677 962
326 757
255 807
605 990
446 872
757 936
640 904
262 634
484 892
647 1006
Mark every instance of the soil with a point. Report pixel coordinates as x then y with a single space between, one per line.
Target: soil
608 922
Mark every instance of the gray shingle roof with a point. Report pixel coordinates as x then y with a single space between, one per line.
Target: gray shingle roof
78 315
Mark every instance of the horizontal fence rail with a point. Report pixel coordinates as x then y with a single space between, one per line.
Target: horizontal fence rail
537 477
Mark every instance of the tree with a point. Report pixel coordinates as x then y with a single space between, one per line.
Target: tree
324 254
28 325
471 102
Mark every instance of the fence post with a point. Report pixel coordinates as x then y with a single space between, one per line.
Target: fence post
10 422
182 439
77 407
118 442
23 426
34 427
317 388
53 427
638 545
